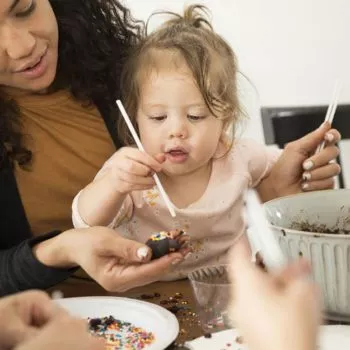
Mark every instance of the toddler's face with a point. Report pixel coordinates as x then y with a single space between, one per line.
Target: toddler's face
174 119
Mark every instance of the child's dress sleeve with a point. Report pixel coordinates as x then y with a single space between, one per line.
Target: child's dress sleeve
261 159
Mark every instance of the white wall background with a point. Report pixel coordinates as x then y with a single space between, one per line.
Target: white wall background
292 50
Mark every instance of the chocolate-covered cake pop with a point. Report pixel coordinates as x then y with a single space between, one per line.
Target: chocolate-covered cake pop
163 243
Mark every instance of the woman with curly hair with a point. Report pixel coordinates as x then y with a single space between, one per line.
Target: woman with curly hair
60 62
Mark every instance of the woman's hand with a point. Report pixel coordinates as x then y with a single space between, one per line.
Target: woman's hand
32 321
22 315
300 169
63 333
277 311
116 263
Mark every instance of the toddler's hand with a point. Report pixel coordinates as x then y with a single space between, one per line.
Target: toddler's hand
131 169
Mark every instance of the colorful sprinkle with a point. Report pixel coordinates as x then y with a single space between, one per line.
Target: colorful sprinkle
160 236
119 334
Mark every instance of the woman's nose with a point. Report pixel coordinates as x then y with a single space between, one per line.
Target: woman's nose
17 43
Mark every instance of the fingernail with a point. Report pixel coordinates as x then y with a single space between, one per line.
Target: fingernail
305 186
306 176
176 261
308 165
323 125
329 137
142 253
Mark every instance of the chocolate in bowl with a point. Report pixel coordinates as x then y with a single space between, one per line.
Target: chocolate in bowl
316 225
318 228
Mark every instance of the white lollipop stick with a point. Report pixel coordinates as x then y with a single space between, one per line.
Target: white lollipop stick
261 235
331 111
140 147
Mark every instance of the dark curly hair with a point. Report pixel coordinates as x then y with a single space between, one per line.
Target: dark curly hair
95 39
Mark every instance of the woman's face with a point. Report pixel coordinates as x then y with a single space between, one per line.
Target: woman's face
28 45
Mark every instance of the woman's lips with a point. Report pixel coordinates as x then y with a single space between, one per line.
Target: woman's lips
38 70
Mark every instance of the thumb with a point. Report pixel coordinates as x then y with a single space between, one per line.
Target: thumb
160 157
128 249
309 142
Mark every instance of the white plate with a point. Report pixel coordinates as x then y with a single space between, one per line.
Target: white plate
153 318
335 338
331 338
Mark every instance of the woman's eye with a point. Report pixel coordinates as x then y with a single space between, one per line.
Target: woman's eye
27 10
196 117
158 118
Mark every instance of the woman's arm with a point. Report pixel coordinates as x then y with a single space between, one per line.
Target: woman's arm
20 269
114 262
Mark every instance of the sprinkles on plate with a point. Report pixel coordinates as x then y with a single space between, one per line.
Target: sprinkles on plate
119 334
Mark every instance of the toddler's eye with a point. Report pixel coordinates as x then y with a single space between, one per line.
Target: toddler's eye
158 118
196 117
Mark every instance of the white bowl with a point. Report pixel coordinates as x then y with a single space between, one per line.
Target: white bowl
320 213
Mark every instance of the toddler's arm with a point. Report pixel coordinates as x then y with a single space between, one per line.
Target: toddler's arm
127 170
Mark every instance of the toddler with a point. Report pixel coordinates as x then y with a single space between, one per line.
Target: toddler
180 90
